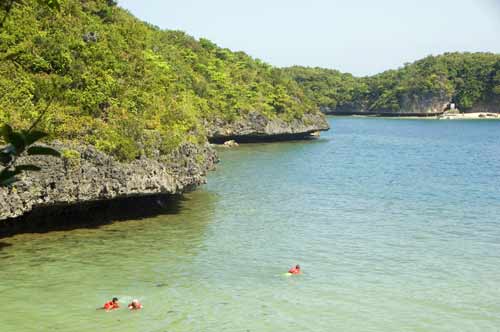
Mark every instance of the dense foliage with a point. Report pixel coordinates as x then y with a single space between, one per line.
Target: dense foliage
464 78
123 85
17 144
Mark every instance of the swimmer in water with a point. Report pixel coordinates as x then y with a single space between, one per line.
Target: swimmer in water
111 305
135 305
295 270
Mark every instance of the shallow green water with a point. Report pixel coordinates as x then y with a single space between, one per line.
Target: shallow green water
396 224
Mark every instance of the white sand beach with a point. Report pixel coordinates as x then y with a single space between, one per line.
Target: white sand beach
470 116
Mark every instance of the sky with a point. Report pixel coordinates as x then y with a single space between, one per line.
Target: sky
362 37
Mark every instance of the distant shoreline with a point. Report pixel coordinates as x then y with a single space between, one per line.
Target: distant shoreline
458 116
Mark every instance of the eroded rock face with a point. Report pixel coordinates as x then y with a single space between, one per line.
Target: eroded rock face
430 103
490 106
411 104
256 126
230 144
90 175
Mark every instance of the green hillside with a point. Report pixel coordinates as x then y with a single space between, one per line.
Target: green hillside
464 78
127 87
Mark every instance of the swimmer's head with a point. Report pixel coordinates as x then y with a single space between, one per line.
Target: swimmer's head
115 299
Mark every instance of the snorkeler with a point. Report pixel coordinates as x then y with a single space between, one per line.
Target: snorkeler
135 305
295 270
111 305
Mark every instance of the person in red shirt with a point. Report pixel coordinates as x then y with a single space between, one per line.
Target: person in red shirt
135 305
295 270
111 305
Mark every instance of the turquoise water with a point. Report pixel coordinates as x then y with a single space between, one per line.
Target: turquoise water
396 224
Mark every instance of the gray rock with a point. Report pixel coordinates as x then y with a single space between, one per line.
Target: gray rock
87 175
256 125
90 175
411 104
425 103
490 106
230 144
90 37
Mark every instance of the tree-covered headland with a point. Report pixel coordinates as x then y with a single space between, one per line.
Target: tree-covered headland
465 79
125 86
102 77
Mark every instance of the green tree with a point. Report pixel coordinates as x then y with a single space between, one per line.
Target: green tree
118 81
465 78
17 144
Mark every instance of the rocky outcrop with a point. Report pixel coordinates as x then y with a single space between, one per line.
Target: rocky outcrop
411 104
490 106
344 109
84 174
431 103
256 127
230 144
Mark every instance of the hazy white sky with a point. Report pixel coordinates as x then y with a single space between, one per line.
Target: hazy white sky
358 36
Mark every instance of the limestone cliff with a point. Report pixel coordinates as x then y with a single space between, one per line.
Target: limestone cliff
410 105
256 127
89 175
490 106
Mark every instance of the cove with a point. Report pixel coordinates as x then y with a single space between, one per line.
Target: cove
394 222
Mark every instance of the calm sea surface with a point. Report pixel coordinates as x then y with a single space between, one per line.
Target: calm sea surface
396 224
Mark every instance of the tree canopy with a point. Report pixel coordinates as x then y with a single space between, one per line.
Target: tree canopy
464 78
124 85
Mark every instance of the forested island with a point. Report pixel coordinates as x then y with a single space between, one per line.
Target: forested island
469 81
120 84
132 108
